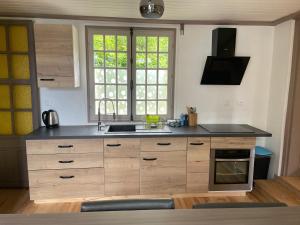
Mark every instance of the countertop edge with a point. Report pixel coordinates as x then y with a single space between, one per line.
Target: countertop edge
90 132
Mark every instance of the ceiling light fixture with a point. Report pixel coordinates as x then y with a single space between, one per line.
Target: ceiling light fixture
153 9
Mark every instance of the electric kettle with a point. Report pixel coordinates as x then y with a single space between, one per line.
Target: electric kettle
50 119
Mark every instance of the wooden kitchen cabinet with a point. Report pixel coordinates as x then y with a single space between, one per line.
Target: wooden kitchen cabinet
65 168
66 183
65 161
122 148
122 176
64 146
163 144
233 142
57 55
163 172
96 168
122 166
198 158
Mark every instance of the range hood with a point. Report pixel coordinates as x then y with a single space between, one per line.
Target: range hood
223 67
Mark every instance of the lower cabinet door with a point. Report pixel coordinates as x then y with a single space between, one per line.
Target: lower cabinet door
122 176
163 172
67 183
197 182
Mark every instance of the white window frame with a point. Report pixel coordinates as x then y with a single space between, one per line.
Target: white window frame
131 70
171 68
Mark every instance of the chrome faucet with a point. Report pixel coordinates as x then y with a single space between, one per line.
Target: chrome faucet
100 124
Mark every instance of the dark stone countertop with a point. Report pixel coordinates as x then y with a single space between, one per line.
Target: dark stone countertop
90 131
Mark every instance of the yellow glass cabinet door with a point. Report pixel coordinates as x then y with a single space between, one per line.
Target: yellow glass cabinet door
17 79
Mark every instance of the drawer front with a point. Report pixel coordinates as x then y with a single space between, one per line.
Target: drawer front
163 172
197 166
197 182
70 183
122 147
122 176
55 81
163 144
233 142
198 155
64 161
195 143
64 146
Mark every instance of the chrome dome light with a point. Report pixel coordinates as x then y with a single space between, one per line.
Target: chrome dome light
152 8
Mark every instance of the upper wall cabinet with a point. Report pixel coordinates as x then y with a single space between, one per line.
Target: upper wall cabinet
57 55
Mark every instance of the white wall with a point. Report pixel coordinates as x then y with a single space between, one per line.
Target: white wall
280 79
215 104
246 103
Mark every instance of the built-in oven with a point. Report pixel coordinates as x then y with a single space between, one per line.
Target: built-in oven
231 169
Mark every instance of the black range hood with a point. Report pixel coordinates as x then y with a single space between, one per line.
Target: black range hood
223 68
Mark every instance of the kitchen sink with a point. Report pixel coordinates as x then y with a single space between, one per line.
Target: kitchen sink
121 128
132 128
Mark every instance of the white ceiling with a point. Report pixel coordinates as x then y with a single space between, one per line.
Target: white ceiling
246 10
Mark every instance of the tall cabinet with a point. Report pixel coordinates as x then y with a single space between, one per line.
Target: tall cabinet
19 110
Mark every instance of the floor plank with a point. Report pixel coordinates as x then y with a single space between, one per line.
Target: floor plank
293 182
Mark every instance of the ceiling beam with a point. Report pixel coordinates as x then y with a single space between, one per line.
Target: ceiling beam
133 20
295 15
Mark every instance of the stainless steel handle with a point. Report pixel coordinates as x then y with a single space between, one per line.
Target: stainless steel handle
149 159
232 160
66 177
163 144
113 145
196 143
66 161
65 146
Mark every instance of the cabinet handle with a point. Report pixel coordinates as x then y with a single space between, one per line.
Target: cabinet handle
65 146
149 159
196 143
113 145
47 79
66 177
164 144
67 161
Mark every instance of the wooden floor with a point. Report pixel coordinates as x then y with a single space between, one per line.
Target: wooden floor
282 189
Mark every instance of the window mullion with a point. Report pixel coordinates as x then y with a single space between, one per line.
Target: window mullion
157 69
117 83
131 76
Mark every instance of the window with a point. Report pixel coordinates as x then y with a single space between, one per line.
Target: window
131 72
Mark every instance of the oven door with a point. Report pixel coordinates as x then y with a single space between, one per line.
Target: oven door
231 170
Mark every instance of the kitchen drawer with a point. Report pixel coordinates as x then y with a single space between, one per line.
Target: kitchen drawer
163 172
197 182
163 144
194 166
69 183
65 161
56 81
198 155
198 143
122 147
233 142
122 176
63 146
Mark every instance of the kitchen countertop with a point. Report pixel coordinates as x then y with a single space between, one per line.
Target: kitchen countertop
91 131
